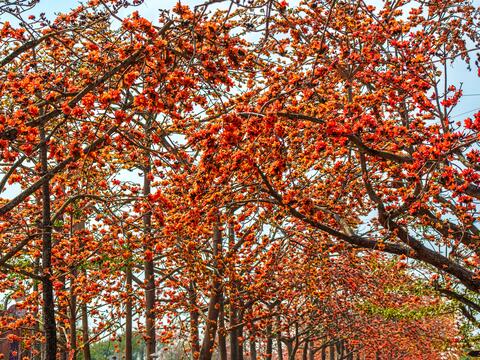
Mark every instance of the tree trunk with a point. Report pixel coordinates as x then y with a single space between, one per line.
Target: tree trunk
128 316
279 339
37 346
49 325
269 342
253 347
233 332
73 319
150 308
62 337
85 335
222 341
290 349
341 348
194 316
305 351
240 334
215 297
293 352
232 306
148 264
79 226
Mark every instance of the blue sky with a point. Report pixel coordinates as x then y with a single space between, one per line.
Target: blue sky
148 9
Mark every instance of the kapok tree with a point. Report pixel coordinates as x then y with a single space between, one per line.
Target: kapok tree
66 95
348 130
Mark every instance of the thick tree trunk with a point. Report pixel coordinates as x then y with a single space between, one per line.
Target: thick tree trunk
149 264
150 308
79 226
215 298
85 334
305 351
341 348
234 332
290 349
128 316
296 344
37 347
222 341
194 316
49 324
232 310
62 337
279 339
240 334
73 319
253 347
269 343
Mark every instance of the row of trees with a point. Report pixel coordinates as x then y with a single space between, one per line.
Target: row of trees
264 181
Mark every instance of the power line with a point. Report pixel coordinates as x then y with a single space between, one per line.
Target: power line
464 113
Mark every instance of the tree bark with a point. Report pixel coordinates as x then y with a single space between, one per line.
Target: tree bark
128 316
79 226
73 319
148 264
279 339
305 351
253 347
37 347
62 336
85 335
222 341
240 333
194 316
296 340
233 332
213 307
340 348
269 343
49 324
290 349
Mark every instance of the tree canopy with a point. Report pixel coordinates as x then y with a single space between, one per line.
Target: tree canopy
239 179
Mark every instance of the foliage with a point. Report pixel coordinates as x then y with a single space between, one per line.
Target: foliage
254 180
